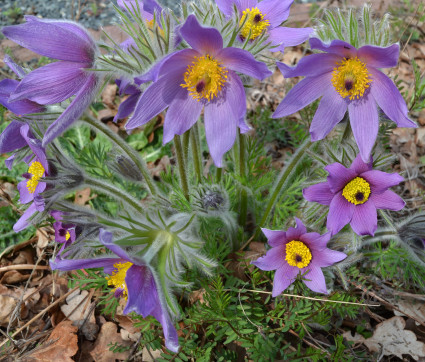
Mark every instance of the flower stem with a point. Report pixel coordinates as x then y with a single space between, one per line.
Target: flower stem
182 168
186 138
242 171
219 173
281 181
194 141
115 192
140 163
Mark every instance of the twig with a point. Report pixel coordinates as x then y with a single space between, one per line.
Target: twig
24 267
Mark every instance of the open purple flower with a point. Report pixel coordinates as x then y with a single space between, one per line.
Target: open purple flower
267 15
353 195
132 280
346 78
31 188
294 252
64 233
201 78
55 82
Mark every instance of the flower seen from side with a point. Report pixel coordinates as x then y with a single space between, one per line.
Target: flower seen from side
203 77
347 79
257 17
65 234
295 252
354 194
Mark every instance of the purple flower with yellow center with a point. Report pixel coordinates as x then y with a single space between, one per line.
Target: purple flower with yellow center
65 234
295 252
265 16
55 82
347 79
130 279
353 195
31 188
201 78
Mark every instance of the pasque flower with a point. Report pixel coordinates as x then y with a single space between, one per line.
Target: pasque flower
267 15
55 82
130 279
294 252
347 79
201 78
65 234
353 195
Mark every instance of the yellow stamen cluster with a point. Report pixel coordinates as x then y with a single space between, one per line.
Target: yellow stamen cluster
254 22
298 254
67 236
37 171
204 78
351 78
357 191
117 279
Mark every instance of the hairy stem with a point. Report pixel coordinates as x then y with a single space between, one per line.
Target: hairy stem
242 171
182 168
134 156
194 141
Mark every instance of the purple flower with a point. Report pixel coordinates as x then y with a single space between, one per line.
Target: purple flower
31 188
353 195
132 280
55 82
201 78
346 78
64 233
267 15
296 252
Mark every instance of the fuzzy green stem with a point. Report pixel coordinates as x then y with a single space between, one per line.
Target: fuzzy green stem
281 181
186 138
219 173
195 153
114 192
242 171
347 131
182 168
134 156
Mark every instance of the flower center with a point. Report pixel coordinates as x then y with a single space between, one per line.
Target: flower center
357 191
117 279
36 170
67 236
204 78
254 22
351 78
298 254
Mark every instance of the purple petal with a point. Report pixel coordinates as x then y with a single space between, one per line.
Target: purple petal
275 11
316 280
203 40
175 63
304 93
338 176
25 106
9 162
358 166
274 259
388 200
288 37
336 46
74 111
247 4
155 99
11 139
76 264
22 223
315 241
35 145
222 117
330 112
52 40
320 193
327 257
243 61
365 219
52 83
364 123
182 114
24 195
127 107
18 70
379 57
310 66
295 233
275 237
340 213
380 181
389 99
283 278
226 6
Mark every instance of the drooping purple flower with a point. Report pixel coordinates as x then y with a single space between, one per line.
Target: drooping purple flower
31 188
55 82
64 233
267 15
131 279
353 195
201 78
294 252
346 78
